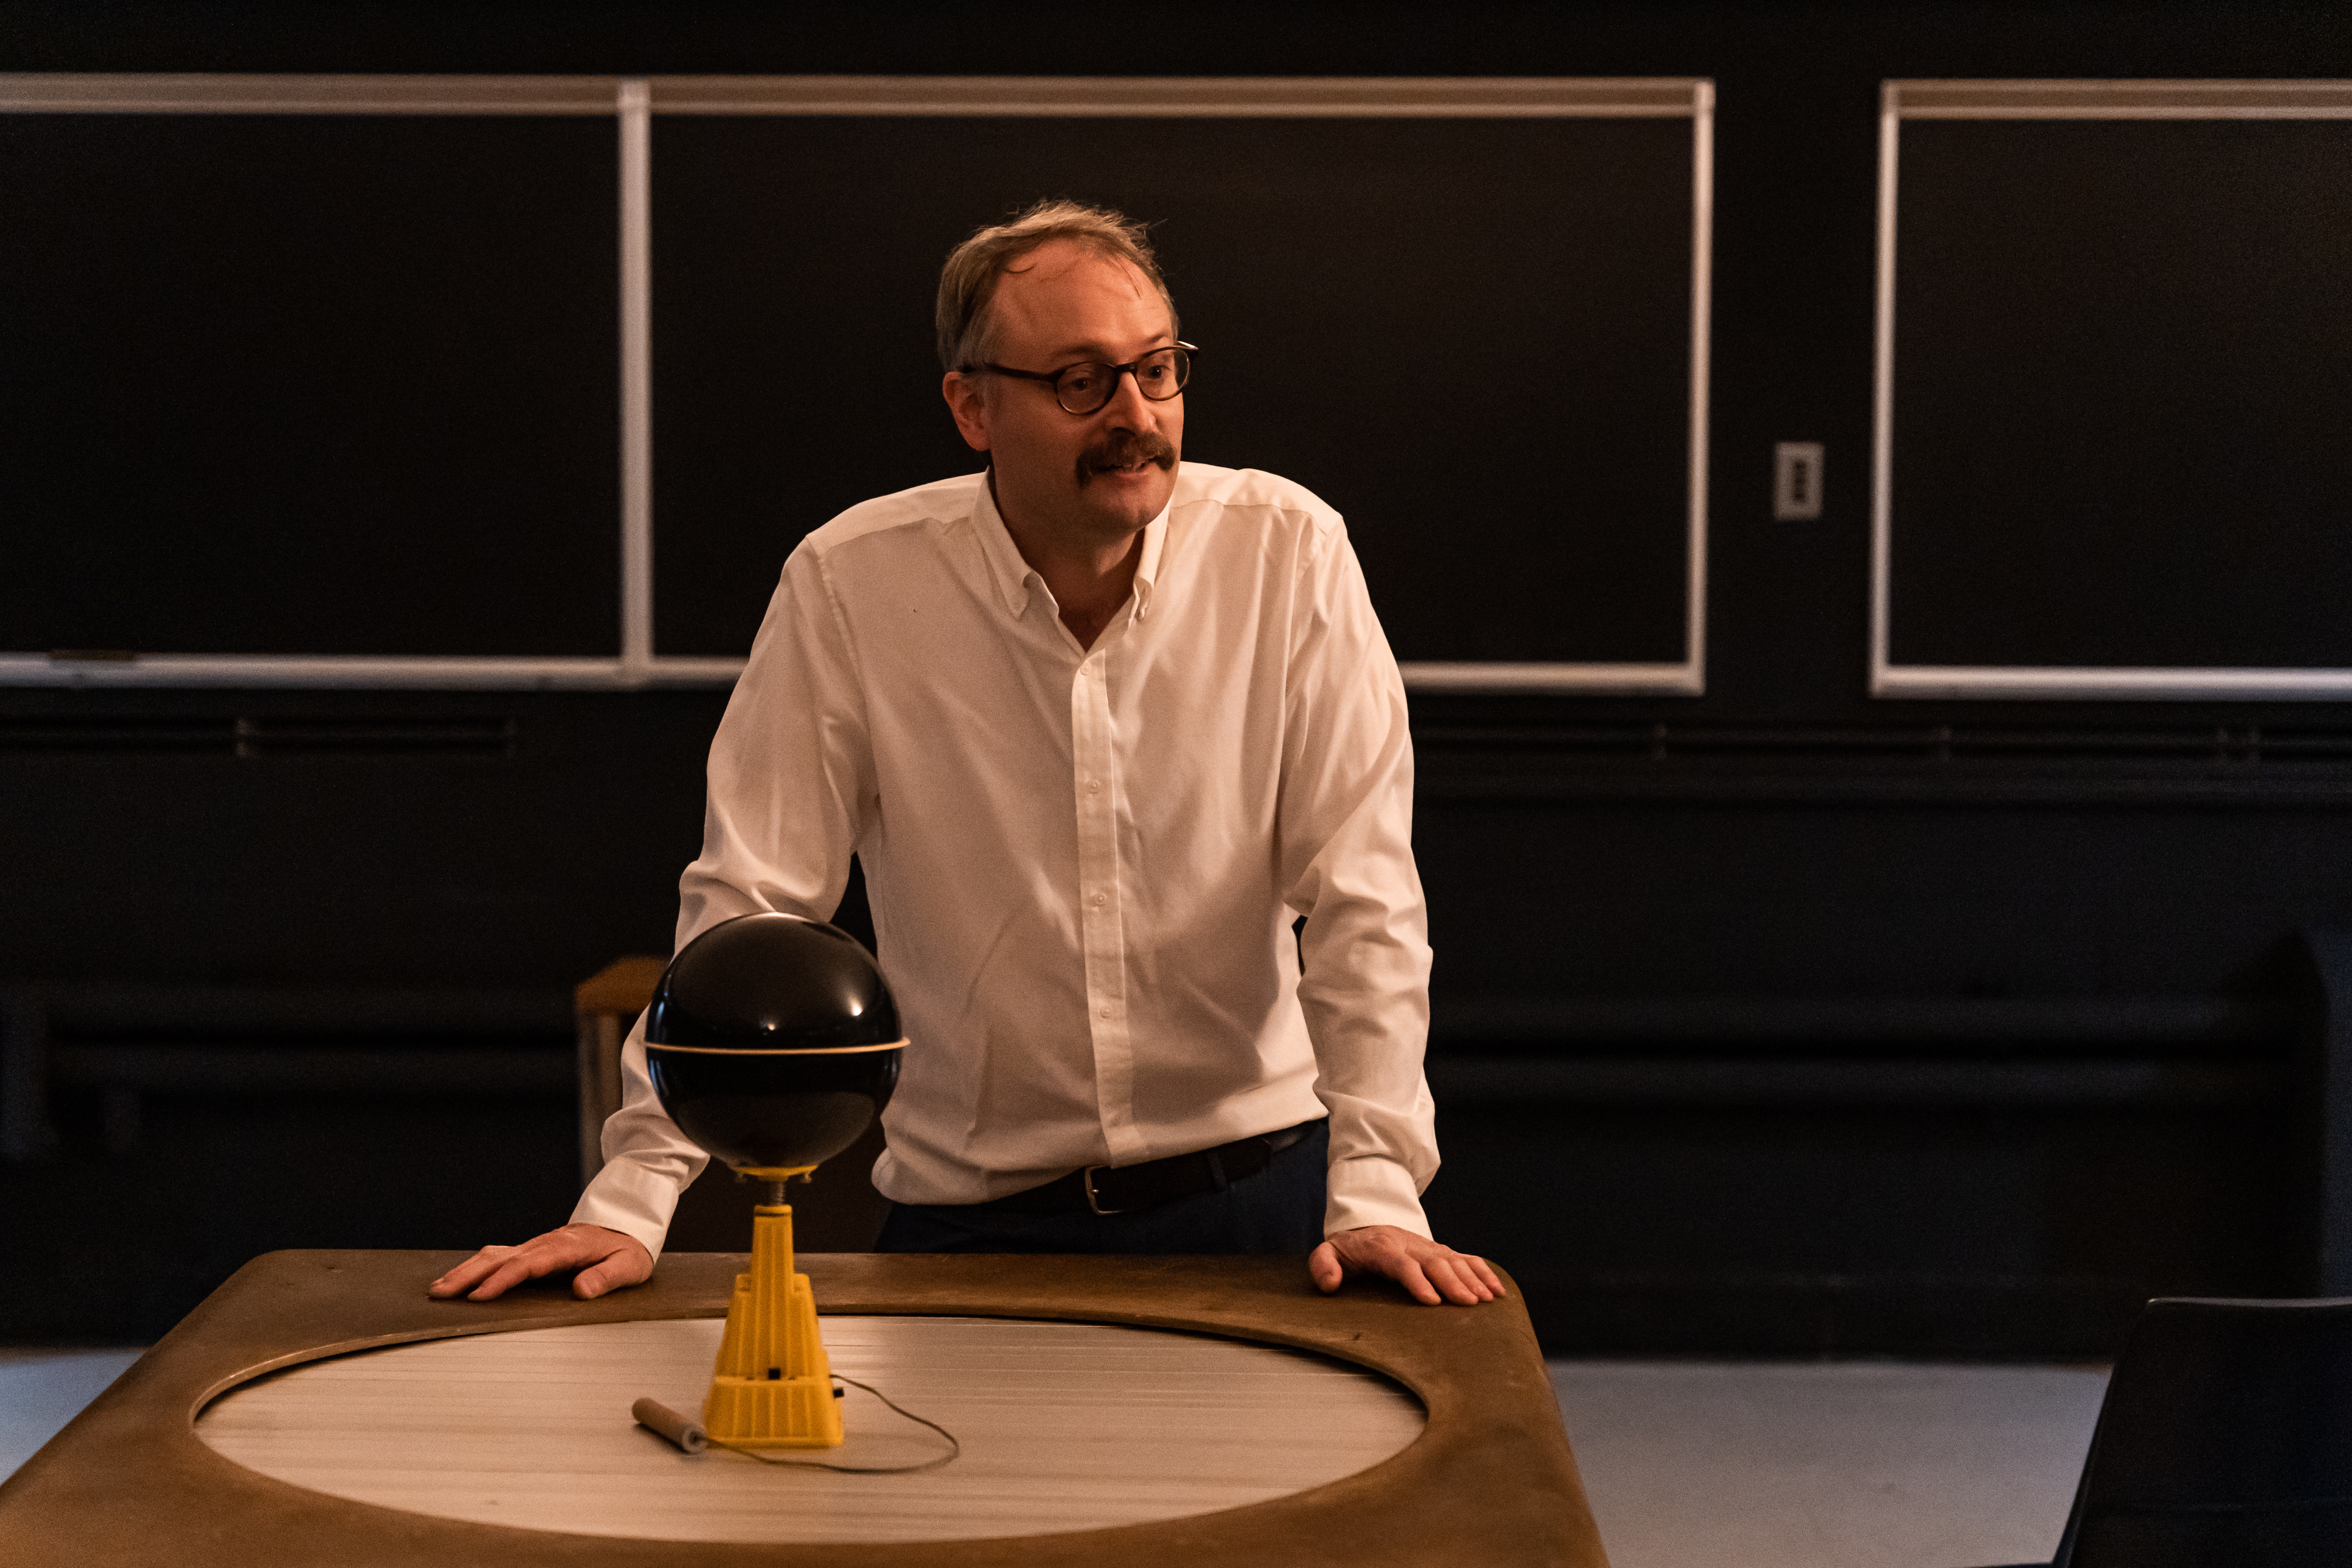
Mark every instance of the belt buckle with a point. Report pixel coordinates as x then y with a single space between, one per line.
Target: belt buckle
1087 1183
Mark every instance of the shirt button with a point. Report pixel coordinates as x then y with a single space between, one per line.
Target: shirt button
1106 1012
1096 901
1094 787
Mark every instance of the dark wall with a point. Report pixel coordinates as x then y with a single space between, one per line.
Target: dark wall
1784 839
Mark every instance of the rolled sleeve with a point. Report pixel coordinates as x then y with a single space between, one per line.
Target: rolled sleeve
648 1161
1347 851
791 789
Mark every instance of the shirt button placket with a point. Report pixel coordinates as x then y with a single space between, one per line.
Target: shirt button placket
1093 758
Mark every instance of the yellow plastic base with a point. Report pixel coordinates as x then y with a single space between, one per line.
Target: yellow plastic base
793 1412
774 1387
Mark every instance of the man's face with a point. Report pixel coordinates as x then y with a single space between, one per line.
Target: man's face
1094 478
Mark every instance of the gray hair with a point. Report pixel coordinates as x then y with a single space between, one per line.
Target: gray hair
967 281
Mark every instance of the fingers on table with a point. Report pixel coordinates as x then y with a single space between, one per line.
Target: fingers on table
1432 1272
1485 1275
526 1262
1408 1272
1429 1271
492 1272
469 1274
1453 1275
622 1266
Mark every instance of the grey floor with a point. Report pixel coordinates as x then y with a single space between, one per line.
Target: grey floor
41 1389
1828 1465
1689 1464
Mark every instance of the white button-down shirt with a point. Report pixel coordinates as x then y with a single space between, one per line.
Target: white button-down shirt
1083 863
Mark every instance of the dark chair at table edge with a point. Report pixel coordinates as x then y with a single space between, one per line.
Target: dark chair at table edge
2065 1554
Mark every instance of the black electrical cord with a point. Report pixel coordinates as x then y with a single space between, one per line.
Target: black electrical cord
955 1448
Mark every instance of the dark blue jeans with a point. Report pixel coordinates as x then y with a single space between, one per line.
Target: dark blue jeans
1279 1210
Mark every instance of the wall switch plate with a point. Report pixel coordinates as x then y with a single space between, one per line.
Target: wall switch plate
1796 481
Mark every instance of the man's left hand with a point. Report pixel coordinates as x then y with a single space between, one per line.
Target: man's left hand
1430 1271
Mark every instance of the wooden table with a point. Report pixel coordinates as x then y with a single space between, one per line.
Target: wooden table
1489 1480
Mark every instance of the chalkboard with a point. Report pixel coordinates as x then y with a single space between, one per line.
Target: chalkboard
308 384
1471 335
350 374
2119 398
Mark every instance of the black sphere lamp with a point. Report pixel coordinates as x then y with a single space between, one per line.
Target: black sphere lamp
771 1042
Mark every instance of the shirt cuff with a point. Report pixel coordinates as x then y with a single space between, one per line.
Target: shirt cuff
1371 1190
636 1196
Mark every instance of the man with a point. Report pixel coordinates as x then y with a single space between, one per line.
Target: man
1098 725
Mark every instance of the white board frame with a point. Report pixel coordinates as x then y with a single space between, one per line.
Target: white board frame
2055 100
631 101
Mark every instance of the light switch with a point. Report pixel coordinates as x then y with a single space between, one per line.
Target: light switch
1796 481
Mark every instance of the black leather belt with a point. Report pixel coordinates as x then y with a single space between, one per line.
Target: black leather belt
1118 1189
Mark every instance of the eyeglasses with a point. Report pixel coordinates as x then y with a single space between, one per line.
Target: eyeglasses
1087 386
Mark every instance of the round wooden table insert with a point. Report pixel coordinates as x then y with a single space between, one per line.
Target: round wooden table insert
1065 1427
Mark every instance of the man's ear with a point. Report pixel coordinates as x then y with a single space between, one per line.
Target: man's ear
968 401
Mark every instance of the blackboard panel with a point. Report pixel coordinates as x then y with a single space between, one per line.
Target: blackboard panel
1472 336
343 385
2121 404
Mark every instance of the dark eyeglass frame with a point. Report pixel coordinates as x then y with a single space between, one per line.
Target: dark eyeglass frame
1053 378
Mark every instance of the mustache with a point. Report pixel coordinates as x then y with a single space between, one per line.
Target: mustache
1123 448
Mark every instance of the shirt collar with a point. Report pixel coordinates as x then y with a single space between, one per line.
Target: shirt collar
1016 578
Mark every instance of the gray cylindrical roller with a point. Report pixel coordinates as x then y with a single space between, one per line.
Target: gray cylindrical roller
656 1416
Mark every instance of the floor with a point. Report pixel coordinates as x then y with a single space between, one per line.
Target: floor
41 1389
1689 1464
1828 1465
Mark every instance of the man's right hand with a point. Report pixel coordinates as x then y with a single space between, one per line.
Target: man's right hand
606 1261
